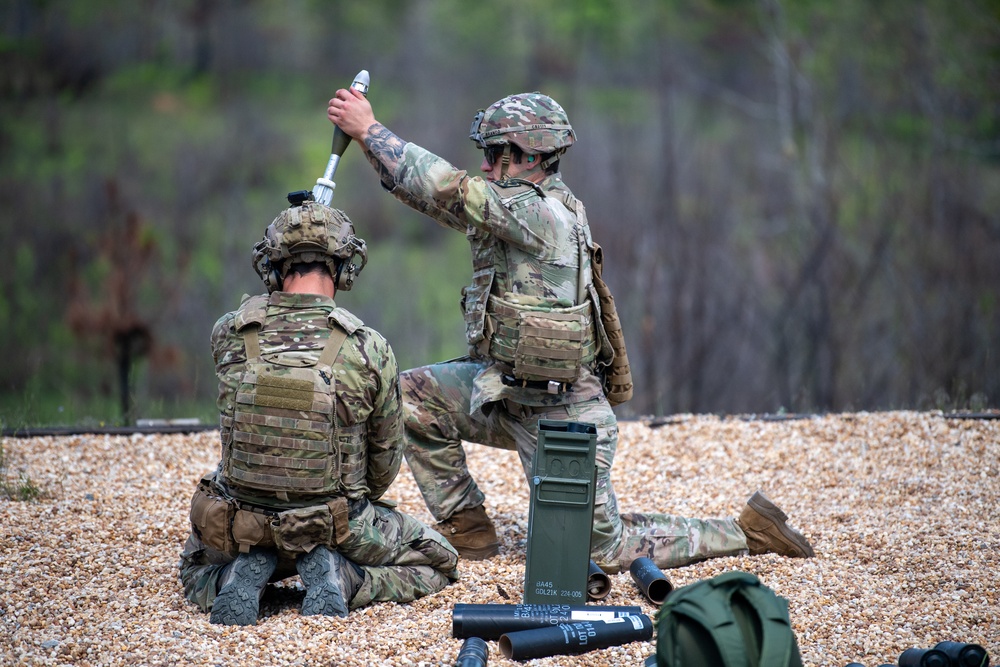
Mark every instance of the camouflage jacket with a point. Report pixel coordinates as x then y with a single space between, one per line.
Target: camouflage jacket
296 325
524 240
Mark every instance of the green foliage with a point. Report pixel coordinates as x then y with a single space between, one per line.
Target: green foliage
710 190
410 293
21 487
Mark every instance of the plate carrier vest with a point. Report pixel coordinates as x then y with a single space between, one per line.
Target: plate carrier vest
285 433
545 340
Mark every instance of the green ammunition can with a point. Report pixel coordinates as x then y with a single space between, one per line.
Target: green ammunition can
561 513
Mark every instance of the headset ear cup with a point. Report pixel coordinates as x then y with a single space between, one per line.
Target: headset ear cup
340 279
345 277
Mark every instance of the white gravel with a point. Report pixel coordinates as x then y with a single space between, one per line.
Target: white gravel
903 509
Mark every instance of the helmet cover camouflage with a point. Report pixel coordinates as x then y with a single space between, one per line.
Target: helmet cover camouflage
310 232
533 122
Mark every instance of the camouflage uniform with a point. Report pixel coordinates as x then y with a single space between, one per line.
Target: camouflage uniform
524 241
402 559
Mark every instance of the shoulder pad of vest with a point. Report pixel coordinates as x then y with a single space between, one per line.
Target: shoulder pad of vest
510 187
514 193
253 310
347 320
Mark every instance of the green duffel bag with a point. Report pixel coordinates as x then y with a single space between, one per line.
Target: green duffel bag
731 620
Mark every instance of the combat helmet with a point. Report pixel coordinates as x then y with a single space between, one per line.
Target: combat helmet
533 122
308 231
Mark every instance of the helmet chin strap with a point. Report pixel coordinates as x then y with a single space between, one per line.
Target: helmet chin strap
504 162
554 157
541 166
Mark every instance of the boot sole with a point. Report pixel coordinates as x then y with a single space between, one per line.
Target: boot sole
323 597
760 504
238 602
478 553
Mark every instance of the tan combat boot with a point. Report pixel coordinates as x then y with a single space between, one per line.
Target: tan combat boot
472 533
763 522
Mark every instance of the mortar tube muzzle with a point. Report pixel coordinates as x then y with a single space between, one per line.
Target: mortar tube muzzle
923 657
474 653
964 655
650 580
598 583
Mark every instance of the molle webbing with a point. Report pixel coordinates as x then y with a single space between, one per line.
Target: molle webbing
282 422
276 441
538 352
542 342
285 436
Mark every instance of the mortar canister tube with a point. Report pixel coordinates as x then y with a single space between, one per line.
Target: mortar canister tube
578 637
490 621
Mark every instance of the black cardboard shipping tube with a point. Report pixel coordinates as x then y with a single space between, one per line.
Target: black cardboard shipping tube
489 621
572 638
650 580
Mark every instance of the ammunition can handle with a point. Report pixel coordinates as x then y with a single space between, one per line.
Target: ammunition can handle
576 486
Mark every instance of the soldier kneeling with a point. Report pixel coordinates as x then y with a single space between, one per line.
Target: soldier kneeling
312 436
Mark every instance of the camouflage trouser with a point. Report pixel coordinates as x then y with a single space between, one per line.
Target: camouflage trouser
402 559
436 402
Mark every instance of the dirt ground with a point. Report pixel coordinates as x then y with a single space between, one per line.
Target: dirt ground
903 509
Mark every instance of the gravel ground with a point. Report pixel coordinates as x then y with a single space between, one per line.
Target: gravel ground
903 509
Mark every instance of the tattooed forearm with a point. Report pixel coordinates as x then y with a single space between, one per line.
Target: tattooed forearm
384 151
384 174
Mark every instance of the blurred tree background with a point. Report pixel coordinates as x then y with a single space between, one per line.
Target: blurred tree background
799 200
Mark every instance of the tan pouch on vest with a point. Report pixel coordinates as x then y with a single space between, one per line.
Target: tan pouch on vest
541 340
618 374
302 529
613 356
550 345
211 518
252 529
